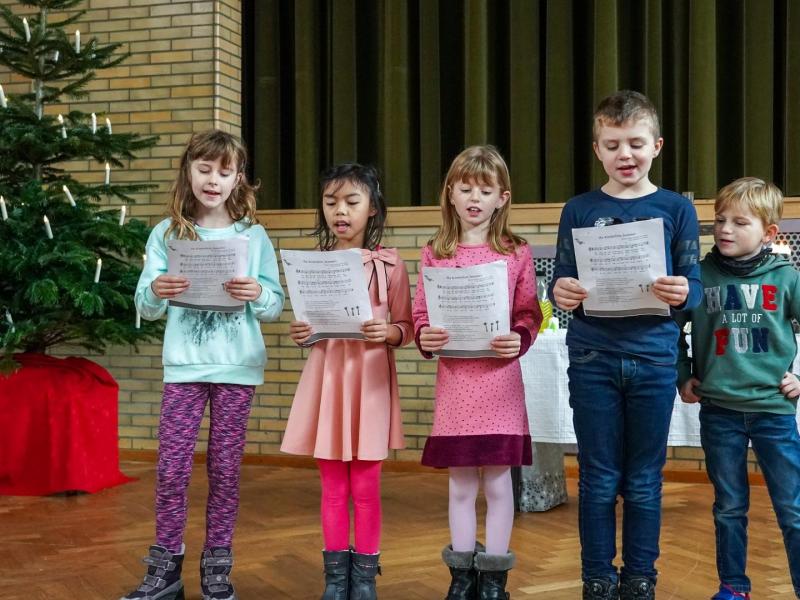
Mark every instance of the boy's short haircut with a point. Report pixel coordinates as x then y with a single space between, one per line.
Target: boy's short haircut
763 199
624 106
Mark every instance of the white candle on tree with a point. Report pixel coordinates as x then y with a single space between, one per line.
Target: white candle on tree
47 229
138 319
27 30
3 210
68 194
108 174
108 125
97 270
63 129
55 56
94 123
3 102
77 41
122 212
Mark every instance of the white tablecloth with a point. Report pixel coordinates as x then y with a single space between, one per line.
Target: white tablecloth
544 373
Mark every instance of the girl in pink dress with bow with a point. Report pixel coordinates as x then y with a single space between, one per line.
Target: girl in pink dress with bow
346 410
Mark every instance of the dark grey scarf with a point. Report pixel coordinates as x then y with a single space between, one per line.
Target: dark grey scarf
739 268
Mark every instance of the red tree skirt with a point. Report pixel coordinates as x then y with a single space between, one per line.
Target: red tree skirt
58 418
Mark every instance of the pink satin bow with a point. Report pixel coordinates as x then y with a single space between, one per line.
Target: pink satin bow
379 259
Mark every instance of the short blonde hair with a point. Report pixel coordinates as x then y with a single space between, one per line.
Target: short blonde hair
765 200
485 166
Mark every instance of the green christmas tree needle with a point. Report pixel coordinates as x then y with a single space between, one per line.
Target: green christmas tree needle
53 228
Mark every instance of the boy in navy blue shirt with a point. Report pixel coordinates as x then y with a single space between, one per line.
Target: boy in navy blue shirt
622 371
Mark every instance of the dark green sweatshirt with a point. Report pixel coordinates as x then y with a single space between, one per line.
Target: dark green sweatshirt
742 338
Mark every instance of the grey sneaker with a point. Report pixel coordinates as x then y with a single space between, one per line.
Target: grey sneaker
163 579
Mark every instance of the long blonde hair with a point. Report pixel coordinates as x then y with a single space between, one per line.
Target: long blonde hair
210 145
485 166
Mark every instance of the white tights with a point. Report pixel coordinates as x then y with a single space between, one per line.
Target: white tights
464 485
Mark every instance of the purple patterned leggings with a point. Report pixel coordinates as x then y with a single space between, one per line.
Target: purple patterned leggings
181 413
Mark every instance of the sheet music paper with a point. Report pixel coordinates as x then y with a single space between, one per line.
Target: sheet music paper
207 264
617 266
471 303
328 290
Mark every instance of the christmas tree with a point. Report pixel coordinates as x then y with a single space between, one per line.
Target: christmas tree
69 256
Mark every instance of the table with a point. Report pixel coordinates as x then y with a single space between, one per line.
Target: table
543 486
544 375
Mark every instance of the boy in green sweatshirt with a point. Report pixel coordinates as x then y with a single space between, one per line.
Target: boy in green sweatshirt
743 347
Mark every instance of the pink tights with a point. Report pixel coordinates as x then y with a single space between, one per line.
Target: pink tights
497 487
340 480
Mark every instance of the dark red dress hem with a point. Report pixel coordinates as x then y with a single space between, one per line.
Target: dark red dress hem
477 450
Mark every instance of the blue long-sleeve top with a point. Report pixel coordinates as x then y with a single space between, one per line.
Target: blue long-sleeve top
213 346
651 338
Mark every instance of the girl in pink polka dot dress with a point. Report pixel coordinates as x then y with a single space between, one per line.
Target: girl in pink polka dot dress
480 422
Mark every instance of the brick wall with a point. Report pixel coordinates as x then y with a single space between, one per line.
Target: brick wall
416 376
182 77
139 374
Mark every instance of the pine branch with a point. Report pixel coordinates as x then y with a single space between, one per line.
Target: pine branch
47 287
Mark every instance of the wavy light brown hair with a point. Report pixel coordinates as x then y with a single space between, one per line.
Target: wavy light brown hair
485 166
210 145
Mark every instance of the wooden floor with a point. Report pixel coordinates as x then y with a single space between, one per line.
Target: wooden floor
88 547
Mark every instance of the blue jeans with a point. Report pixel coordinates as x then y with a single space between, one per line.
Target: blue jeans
724 434
621 411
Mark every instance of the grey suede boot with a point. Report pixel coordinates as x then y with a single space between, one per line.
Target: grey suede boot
463 582
337 575
363 569
492 575
163 579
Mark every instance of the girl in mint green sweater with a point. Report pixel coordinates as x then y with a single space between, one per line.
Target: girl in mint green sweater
210 357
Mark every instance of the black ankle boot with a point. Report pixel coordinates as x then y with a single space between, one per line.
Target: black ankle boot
637 588
600 589
492 575
215 574
464 578
163 579
363 569
337 575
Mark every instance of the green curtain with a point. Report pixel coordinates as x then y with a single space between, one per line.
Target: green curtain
406 84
